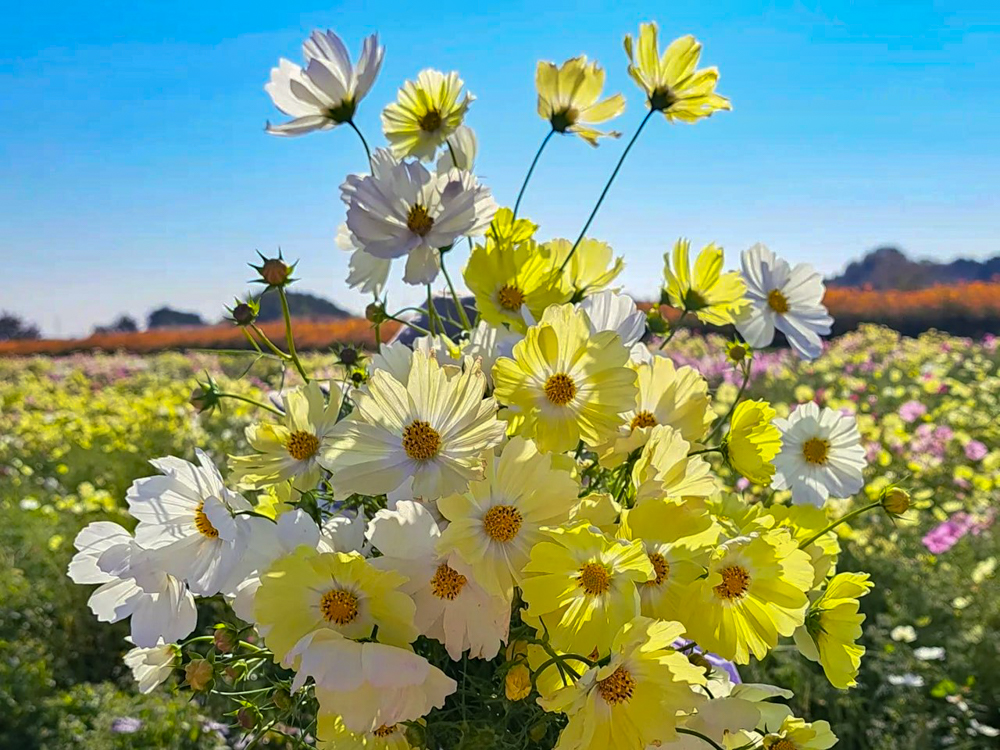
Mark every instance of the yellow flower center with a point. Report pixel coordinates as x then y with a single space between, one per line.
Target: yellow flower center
662 568
384 731
418 220
735 582
594 579
816 450
777 301
421 441
643 419
340 607
447 583
783 744
429 121
617 688
204 526
510 297
502 522
560 389
302 445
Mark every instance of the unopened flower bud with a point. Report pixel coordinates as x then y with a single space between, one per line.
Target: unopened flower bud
247 718
517 683
895 500
699 660
198 674
655 322
282 700
275 272
224 639
244 314
348 356
375 313
204 397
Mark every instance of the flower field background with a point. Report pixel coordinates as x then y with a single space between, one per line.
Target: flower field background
76 431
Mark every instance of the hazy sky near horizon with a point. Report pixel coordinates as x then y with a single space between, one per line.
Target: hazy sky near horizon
135 172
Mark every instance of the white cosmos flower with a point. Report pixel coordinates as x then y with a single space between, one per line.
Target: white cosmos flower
783 297
402 208
460 152
366 273
326 92
188 515
610 311
133 584
488 343
821 455
369 685
452 607
434 429
151 666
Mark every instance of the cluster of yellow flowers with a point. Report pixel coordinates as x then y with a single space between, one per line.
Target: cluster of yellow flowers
538 489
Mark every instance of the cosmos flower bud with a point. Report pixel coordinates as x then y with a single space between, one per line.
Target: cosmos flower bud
224 640
244 314
375 313
247 717
655 322
275 272
699 660
517 683
198 674
895 500
205 397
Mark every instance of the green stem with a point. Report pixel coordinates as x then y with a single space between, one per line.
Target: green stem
252 340
746 379
289 339
673 331
466 324
705 450
699 735
531 169
363 143
422 331
843 519
251 401
270 344
607 187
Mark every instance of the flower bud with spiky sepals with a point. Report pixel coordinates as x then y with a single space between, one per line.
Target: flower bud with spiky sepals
274 272
375 313
244 313
206 396
894 500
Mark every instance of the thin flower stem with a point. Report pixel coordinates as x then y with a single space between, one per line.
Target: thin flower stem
732 408
422 331
289 338
363 143
607 187
430 310
252 340
458 302
843 519
251 401
270 344
673 331
531 169
699 735
705 450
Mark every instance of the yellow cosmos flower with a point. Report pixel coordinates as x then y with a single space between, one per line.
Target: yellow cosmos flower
671 83
290 450
752 442
755 591
713 296
804 522
425 113
668 395
599 509
494 525
582 585
633 701
665 470
333 735
678 541
309 591
832 628
568 94
592 268
798 734
511 277
738 517
568 383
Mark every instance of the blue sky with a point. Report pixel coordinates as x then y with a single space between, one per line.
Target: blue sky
134 170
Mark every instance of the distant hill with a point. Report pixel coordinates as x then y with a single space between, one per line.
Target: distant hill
167 317
889 268
301 305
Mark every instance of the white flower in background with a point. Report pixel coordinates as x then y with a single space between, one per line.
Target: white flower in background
366 273
440 346
906 680
821 455
434 430
369 685
152 666
290 450
929 653
452 607
327 91
610 311
903 633
401 208
488 343
460 152
783 297
133 584
395 359
187 515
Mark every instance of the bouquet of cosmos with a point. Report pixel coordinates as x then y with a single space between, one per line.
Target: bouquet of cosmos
519 524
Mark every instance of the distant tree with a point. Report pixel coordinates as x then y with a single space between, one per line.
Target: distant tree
123 324
14 327
167 317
